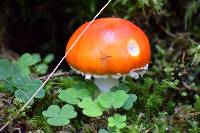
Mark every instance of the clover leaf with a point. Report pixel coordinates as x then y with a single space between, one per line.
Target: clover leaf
23 86
90 108
8 69
41 68
36 57
113 99
27 60
72 95
120 87
117 121
24 62
129 102
49 58
27 87
59 117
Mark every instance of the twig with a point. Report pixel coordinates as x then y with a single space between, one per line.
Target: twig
57 74
54 70
183 57
186 85
174 35
168 33
195 42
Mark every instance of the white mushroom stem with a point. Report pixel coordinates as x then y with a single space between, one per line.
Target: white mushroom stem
105 84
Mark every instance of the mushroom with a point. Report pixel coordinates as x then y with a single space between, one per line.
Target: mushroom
110 48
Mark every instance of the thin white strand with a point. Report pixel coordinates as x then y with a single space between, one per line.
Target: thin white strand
50 75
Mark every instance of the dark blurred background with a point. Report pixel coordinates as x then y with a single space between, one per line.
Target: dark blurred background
44 26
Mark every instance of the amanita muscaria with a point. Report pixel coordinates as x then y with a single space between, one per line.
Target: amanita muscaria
109 49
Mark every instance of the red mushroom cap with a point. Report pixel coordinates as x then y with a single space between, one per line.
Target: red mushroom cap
109 46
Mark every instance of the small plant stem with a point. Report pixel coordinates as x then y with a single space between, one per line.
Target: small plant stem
57 74
50 75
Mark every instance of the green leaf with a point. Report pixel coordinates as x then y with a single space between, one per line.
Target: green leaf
49 58
117 121
129 102
72 95
24 62
102 131
58 121
67 82
120 87
8 69
69 96
113 99
5 69
27 87
90 108
36 58
23 95
59 117
41 68
119 99
23 86
89 85
68 111
52 111
26 83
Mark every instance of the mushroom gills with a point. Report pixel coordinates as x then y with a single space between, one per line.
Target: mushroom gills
105 84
